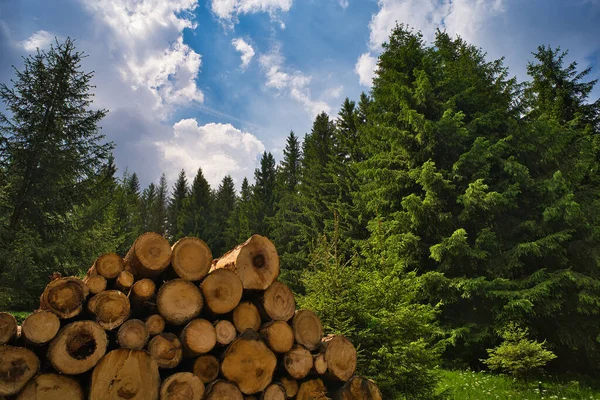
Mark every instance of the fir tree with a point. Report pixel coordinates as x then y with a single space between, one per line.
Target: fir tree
176 205
198 209
225 201
263 195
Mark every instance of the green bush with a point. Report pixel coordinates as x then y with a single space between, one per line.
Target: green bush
518 355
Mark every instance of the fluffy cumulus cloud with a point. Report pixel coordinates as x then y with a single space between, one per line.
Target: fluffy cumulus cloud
291 82
220 149
365 68
229 10
246 50
39 40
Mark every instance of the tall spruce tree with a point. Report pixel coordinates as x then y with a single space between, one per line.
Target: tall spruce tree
225 201
198 209
239 225
176 205
264 195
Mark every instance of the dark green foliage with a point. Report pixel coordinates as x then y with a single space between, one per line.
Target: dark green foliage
198 209
177 201
225 201
239 225
263 195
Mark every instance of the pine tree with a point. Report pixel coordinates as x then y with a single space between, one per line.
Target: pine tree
225 201
264 195
288 173
147 207
132 184
198 209
239 225
176 205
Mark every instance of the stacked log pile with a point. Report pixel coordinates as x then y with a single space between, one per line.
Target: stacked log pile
169 322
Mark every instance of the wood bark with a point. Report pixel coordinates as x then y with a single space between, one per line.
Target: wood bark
246 316
124 281
278 302
226 332
51 387
308 330
166 350
290 385
40 327
133 334
111 308
8 328
274 391
206 367
249 363
64 297
223 390
77 347
108 265
149 256
182 386
222 291
17 366
340 357
298 362
312 390
95 284
125 374
198 337
255 261
179 301
278 335
358 388
191 258
156 324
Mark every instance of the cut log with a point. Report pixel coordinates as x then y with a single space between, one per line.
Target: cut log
182 386
222 290
156 324
358 388
149 256
298 362
278 335
226 332
125 374
133 334
95 284
17 367
278 302
249 363
40 327
51 387
246 316
166 350
191 259
308 330
290 385
64 297
274 391
223 390
179 301
78 347
198 337
319 364
255 261
340 357
206 367
108 265
312 390
8 328
142 291
111 308
124 281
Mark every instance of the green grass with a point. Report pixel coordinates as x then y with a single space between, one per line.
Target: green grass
469 385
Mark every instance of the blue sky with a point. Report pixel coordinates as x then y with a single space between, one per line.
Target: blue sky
214 83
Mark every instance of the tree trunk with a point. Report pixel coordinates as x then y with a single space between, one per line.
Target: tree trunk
111 308
198 337
274 391
278 302
95 284
340 356
312 390
51 387
124 281
182 386
64 297
125 374
358 388
278 335
246 316
223 390
179 301
255 261
191 259
133 334
298 362
222 290
226 332
77 347
291 386
308 330
207 368
17 367
40 327
8 328
249 363
156 324
108 265
166 350
149 256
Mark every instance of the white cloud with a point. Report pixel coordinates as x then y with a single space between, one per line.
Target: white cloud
229 10
289 81
333 93
365 68
246 50
41 39
220 149
344 3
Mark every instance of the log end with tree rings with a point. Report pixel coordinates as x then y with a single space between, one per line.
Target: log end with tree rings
246 316
312 390
225 331
223 390
179 301
255 261
278 302
198 337
340 357
222 290
8 328
156 324
124 281
64 297
290 385
109 265
182 386
95 284
17 366
358 388
207 368
166 350
77 347
274 391
298 362
40 327
191 258
308 330
111 308
149 256
133 334
51 387
278 335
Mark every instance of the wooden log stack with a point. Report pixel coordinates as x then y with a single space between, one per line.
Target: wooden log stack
169 322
